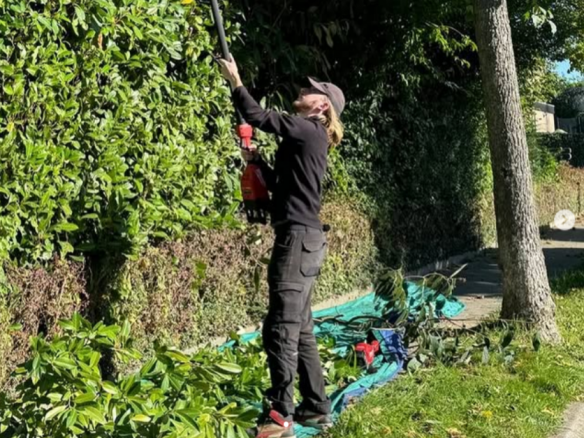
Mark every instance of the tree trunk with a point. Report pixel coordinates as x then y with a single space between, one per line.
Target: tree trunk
526 290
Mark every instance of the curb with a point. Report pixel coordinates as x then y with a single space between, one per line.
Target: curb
445 264
573 425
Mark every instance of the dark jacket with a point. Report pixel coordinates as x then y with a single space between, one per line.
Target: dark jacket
301 161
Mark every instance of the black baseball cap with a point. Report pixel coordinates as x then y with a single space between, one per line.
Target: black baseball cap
333 92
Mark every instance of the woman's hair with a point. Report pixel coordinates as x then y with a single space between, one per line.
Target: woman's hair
330 119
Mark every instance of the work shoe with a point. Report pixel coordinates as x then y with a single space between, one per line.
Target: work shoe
275 426
316 421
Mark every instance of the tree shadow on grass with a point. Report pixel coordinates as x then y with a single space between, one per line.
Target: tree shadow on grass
569 282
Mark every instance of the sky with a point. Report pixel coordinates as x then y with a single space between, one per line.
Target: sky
563 67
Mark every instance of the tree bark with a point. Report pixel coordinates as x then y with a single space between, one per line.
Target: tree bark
526 289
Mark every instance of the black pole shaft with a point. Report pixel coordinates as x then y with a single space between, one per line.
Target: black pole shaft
223 43
220 30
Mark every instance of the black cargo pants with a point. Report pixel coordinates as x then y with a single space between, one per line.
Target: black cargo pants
289 340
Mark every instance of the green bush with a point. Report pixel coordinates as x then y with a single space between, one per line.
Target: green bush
181 293
64 394
419 161
113 126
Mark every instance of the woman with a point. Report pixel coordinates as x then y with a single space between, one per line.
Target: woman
299 248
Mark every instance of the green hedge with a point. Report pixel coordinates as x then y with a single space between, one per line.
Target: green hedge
113 126
189 292
182 292
419 161
32 301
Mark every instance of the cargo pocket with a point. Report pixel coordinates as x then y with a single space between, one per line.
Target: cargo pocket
283 258
286 301
313 252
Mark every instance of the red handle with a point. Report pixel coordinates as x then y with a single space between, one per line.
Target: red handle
245 133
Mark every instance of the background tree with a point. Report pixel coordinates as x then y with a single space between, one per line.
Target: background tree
570 103
527 294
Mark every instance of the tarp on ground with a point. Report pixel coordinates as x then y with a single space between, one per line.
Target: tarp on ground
388 364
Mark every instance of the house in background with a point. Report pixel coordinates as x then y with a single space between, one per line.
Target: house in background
547 122
545 118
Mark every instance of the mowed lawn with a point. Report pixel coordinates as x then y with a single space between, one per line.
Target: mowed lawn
523 400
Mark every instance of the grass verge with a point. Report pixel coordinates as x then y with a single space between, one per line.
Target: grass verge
524 399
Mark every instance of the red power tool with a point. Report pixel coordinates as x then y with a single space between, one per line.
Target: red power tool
366 353
256 200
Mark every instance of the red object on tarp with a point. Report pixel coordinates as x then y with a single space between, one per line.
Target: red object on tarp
366 352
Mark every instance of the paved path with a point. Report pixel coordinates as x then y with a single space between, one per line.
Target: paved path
573 426
481 289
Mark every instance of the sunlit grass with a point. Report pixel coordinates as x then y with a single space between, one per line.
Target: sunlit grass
523 400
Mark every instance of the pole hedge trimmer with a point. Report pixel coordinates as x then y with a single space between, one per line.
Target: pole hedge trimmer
253 187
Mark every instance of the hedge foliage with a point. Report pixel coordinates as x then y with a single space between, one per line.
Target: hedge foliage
187 293
420 171
113 126
118 170
32 301
182 293
63 392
